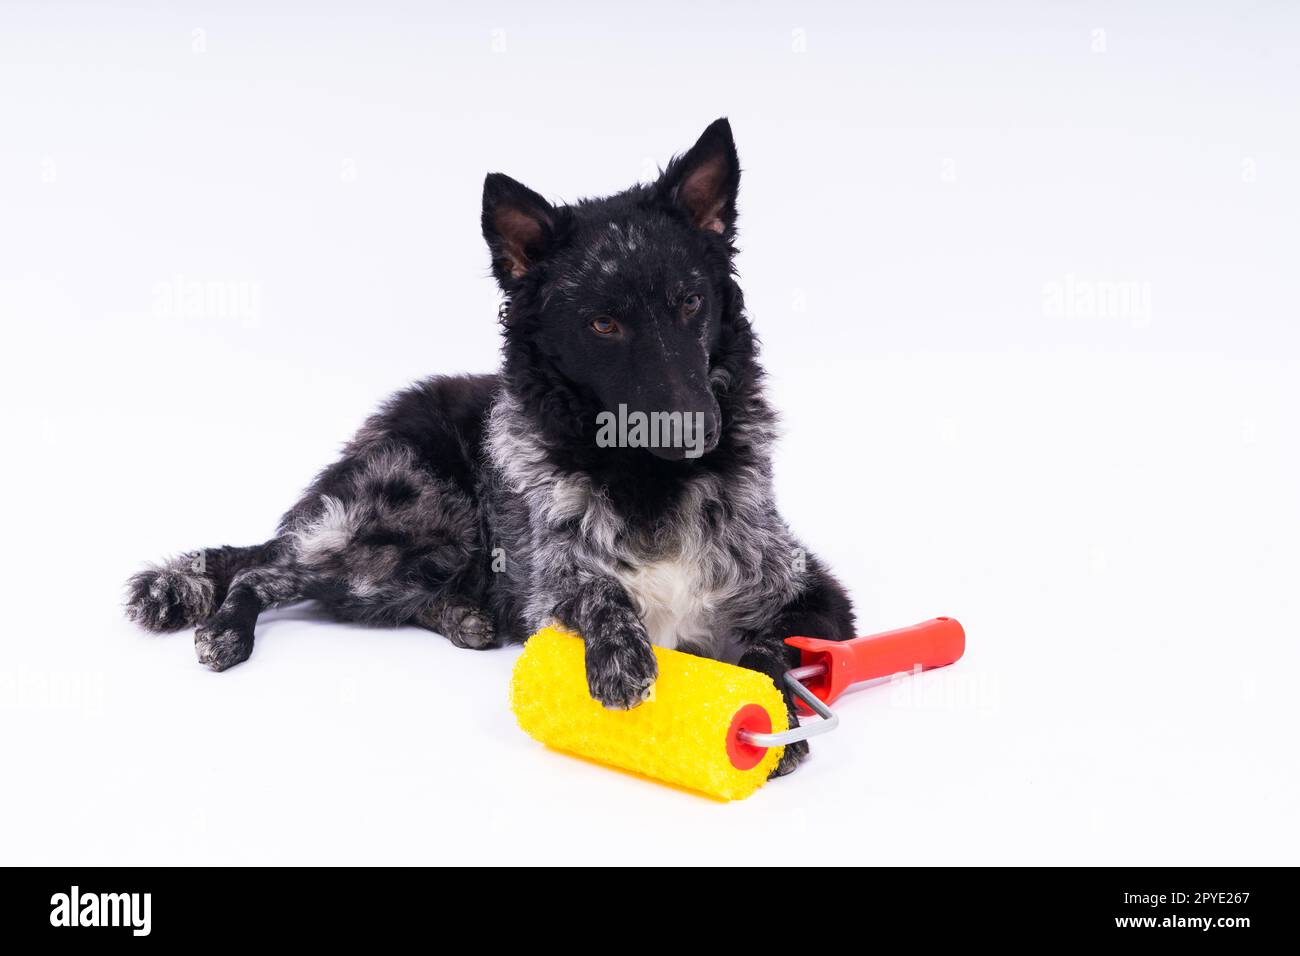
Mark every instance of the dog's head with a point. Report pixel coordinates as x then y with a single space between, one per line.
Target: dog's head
620 306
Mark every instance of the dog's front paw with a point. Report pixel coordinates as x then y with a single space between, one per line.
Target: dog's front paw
621 669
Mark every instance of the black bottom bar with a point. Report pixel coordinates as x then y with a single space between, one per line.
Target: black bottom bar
480 907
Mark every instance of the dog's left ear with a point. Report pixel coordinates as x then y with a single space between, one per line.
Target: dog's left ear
703 182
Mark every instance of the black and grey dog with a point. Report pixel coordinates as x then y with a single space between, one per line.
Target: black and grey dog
483 507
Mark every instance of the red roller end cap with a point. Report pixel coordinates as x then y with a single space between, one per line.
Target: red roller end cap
755 719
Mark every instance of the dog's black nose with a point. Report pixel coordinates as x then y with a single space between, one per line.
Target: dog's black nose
712 432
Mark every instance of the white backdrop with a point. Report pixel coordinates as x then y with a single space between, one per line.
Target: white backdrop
1026 278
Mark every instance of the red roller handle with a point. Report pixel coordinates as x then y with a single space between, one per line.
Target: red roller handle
932 643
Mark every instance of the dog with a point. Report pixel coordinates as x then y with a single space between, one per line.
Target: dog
483 507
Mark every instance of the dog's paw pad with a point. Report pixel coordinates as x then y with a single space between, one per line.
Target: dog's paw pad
474 630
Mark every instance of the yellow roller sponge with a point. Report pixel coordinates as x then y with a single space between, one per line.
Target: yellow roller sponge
679 736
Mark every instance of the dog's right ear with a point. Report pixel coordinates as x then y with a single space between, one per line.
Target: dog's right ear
518 225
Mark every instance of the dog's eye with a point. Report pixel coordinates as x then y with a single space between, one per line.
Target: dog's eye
604 325
691 305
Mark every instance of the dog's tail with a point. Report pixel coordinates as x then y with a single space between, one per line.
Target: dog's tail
187 589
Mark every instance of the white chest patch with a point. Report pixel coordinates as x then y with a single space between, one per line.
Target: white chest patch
673 601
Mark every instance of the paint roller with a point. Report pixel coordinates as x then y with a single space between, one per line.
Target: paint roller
709 726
